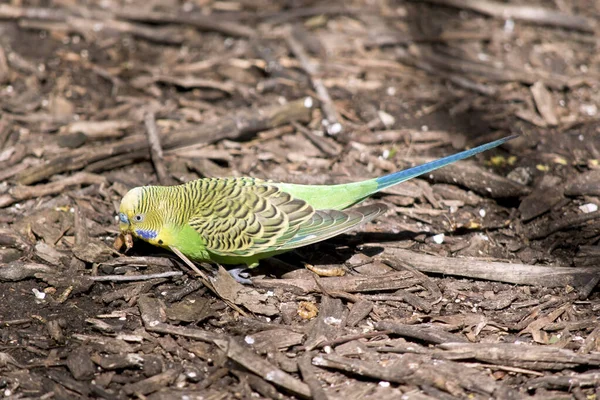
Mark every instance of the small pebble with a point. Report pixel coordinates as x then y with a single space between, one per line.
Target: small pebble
439 238
588 208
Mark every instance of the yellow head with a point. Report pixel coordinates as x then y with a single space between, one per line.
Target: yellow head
139 215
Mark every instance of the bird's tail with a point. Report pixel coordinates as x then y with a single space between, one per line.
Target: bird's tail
340 197
401 176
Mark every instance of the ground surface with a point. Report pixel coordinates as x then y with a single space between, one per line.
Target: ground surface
478 283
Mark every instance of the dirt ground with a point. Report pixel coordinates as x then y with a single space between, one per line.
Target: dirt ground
478 283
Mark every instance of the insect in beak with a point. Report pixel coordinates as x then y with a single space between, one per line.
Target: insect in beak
124 238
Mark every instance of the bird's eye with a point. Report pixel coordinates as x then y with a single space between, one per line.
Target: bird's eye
138 218
123 218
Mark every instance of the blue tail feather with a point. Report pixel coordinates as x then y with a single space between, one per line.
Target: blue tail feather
401 176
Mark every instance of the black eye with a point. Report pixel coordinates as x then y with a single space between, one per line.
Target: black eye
138 218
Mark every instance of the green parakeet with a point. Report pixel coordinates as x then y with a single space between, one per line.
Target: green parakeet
243 220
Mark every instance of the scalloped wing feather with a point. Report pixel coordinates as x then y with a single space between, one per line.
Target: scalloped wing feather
245 217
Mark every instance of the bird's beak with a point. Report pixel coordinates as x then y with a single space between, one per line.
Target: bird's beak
125 237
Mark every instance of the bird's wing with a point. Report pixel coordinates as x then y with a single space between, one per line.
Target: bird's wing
243 217
325 224
240 217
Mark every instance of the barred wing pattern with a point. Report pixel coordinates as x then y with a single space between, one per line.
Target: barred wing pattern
244 217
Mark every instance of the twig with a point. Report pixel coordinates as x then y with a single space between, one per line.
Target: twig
4 76
333 120
190 264
130 278
86 27
534 14
20 193
199 21
207 282
5 123
291 14
202 22
156 152
329 147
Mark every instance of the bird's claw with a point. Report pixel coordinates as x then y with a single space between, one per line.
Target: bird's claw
241 275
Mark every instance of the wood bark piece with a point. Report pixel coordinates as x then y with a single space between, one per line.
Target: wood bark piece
327 326
418 370
586 184
540 201
152 384
591 379
156 152
18 271
543 228
544 103
261 367
520 355
539 15
243 124
521 274
310 377
80 364
425 332
349 284
333 125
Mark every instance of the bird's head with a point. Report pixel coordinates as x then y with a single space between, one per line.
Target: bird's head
139 216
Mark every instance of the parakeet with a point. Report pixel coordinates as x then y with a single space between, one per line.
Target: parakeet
243 220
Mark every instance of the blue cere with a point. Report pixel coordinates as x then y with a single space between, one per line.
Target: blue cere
146 234
123 218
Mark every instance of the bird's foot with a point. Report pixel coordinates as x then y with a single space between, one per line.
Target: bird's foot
241 275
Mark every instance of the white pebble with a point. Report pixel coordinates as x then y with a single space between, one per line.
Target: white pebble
482 213
589 109
334 129
588 208
439 238
387 119
38 295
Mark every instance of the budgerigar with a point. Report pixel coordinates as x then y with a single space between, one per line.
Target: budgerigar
243 220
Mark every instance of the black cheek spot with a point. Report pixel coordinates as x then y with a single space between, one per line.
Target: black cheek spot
160 241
